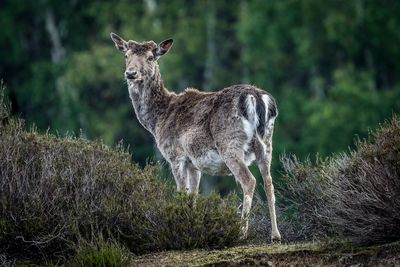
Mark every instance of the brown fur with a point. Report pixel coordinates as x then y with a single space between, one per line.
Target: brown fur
216 133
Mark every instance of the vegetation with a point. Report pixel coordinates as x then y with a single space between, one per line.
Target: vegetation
365 192
332 66
351 195
70 197
305 254
59 193
101 253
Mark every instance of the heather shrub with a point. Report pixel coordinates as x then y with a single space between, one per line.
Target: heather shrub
5 261
190 221
364 196
259 222
56 192
302 199
352 195
184 222
300 206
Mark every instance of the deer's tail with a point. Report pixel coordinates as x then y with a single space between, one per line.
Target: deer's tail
267 111
260 111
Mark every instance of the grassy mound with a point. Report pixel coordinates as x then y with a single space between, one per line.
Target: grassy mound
304 254
353 195
57 193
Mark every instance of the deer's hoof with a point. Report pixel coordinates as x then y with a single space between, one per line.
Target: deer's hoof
276 239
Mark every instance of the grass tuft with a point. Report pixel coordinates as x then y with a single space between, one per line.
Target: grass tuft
100 253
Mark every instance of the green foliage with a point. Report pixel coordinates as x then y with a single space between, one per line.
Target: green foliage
332 76
100 254
57 193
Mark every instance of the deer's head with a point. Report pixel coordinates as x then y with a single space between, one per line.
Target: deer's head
141 58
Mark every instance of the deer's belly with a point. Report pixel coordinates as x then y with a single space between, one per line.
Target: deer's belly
211 163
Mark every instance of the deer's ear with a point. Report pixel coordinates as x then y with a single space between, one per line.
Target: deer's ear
120 43
164 46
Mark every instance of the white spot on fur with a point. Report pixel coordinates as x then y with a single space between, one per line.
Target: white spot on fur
132 88
251 110
248 128
248 159
266 100
246 146
250 124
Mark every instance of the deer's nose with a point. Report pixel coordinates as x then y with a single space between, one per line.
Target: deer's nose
130 74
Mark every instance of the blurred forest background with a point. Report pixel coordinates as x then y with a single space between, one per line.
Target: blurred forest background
333 66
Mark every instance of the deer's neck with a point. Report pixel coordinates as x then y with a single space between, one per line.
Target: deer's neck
150 100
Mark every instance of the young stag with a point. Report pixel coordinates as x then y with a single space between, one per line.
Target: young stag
216 133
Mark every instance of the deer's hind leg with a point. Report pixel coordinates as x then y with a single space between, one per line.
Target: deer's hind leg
234 160
264 157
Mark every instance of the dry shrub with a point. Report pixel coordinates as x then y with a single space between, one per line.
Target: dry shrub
56 192
365 194
301 204
355 195
191 221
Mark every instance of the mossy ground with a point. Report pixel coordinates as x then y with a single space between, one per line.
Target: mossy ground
300 254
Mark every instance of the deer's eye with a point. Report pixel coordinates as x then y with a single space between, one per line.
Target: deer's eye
150 58
126 56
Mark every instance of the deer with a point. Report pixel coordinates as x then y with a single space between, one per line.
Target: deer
217 133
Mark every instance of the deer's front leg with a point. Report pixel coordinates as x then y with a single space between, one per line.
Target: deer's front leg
193 179
179 170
